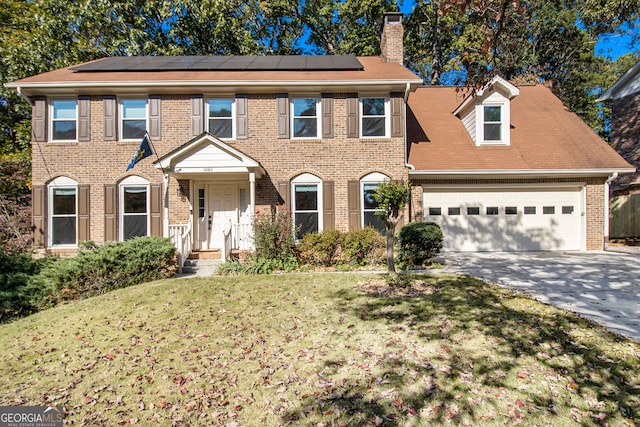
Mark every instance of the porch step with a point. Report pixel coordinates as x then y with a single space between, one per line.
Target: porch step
200 267
206 254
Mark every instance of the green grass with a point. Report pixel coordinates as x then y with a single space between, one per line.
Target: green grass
319 349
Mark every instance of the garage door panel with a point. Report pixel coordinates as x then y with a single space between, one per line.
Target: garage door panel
506 220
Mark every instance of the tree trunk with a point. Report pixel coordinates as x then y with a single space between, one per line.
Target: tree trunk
391 228
436 49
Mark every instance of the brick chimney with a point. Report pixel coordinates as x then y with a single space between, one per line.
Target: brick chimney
391 46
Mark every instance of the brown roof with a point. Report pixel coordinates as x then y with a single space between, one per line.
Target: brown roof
375 69
545 136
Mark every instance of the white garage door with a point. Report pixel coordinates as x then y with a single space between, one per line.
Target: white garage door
506 219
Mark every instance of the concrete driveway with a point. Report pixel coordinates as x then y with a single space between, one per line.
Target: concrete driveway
601 286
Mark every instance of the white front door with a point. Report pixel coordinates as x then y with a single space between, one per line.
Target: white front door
223 211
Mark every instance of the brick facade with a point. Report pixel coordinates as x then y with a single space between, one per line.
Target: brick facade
625 137
339 159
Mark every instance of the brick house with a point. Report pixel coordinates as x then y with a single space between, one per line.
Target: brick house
624 99
238 135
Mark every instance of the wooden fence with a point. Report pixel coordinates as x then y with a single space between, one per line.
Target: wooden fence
624 216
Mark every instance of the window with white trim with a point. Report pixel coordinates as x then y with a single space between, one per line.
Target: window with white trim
63 209
133 119
306 204
221 117
374 117
368 186
492 122
64 120
305 120
134 208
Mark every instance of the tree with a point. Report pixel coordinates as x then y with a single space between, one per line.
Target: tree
391 198
528 41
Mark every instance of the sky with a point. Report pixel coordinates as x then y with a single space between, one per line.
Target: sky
611 46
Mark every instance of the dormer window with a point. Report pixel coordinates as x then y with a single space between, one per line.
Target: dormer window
492 120
492 123
487 114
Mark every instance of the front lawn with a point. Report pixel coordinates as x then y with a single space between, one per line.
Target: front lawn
319 349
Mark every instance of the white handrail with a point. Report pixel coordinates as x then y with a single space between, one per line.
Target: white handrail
180 236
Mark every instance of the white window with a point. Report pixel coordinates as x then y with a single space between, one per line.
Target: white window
305 120
133 119
306 204
492 121
64 120
221 117
368 186
374 117
134 208
63 212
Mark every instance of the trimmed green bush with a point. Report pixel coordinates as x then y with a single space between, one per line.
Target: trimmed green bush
17 296
321 248
364 247
110 266
419 243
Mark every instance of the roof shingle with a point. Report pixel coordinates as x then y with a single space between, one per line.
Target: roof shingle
545 136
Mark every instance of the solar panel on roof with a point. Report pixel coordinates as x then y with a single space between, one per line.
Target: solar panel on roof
222 63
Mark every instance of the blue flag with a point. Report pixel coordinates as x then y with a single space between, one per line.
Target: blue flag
144 150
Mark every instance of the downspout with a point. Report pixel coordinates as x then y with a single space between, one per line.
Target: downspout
406 150
607 200
26 98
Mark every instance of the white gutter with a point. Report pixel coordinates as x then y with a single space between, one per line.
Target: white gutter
26 98
171 83
526 172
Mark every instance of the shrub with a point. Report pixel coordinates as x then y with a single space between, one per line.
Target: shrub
273 235
262 265
231 266
110 266
365 246
418 243
17 297
321 248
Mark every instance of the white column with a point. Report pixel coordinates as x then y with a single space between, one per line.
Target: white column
165 219
252 193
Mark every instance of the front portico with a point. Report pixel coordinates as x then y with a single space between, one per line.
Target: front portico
220 184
